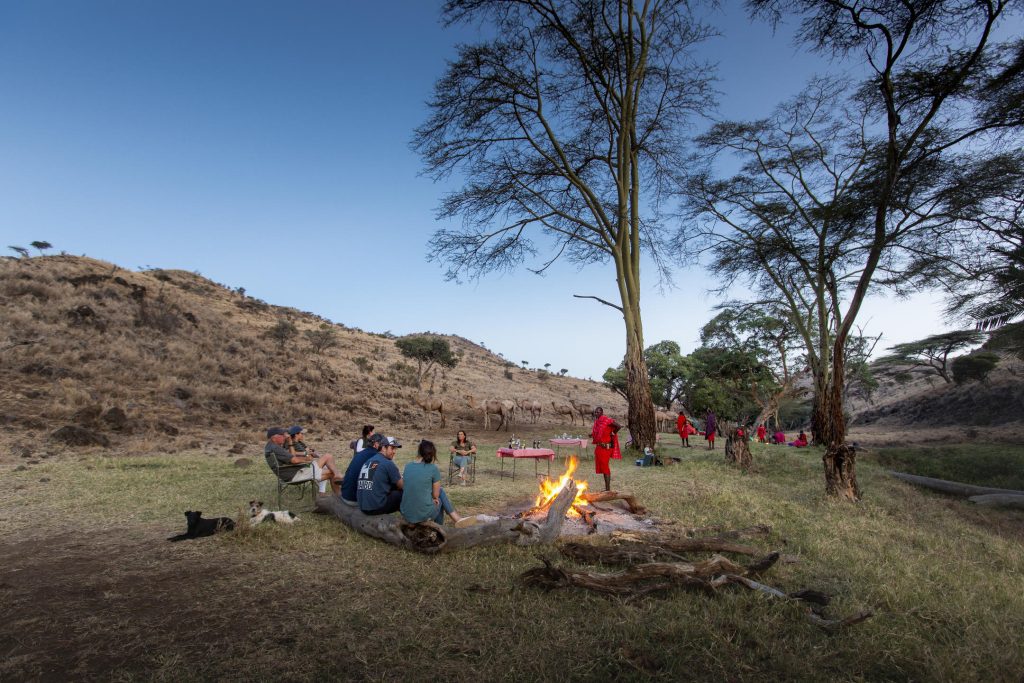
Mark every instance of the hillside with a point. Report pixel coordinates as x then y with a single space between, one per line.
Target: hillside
172 359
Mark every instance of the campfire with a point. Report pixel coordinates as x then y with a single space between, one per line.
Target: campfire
549 488
583 511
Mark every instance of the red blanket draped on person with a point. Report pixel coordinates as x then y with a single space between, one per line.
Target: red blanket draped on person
606 445
761 432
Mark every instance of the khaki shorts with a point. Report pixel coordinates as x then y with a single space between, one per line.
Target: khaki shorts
310 472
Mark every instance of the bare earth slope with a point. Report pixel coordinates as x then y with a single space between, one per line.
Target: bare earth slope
165 358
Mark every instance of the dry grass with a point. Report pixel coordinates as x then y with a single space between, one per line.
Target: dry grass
942 579
175 350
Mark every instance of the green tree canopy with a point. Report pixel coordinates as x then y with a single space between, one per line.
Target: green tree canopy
428 351
974 367
666 369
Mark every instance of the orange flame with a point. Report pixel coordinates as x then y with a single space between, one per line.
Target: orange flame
549 489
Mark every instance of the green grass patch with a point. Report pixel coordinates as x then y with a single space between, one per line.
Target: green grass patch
997 465
942 578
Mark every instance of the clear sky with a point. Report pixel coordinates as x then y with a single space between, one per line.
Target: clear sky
264 144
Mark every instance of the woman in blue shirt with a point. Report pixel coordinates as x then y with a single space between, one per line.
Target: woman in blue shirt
424 498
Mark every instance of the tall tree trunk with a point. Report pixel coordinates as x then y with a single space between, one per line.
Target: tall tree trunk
839 459
638 389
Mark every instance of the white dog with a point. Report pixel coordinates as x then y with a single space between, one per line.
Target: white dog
257 514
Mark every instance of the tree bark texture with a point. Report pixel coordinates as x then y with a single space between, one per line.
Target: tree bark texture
430 538
640 420
737 450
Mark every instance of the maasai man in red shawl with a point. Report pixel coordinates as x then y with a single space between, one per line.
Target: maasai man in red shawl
683 427
605 436
710 428
761 433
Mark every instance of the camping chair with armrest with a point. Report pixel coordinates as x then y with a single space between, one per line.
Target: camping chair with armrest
453 469
282 474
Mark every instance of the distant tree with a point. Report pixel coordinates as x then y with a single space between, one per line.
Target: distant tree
525 363
724 380
768 333
282 332
546 366
566 125
974 367
41 246
21 251
932 354
666 370
428 351
563 372
326 337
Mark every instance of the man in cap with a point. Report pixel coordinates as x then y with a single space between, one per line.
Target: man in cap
299 467
379 488
349 484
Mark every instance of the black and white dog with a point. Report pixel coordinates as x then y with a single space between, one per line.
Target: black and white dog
257 514
197 526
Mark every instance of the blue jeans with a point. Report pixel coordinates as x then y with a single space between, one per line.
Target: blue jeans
445 506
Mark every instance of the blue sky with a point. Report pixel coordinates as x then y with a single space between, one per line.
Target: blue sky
265 145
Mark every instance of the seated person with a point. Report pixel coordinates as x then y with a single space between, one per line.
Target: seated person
379 488
363 441
350 482
801 441
779 438
423 498
299 467
295 442
462 451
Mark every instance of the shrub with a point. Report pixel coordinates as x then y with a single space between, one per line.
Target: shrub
974 367
403 374
322 339
363 363
282 332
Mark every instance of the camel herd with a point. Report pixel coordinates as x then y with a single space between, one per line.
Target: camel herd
505 410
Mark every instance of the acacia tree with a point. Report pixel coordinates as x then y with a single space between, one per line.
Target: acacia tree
931 354
427 350
766 333
839 201
565 126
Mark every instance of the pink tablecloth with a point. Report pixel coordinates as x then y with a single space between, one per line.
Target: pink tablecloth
582 443
536 453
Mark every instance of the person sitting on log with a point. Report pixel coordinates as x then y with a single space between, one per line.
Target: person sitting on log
801 441
779 438
350 483
462 451
321 469
379 489
422 497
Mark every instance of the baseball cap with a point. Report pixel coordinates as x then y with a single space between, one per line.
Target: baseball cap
292 431
377 440
392 441
274 431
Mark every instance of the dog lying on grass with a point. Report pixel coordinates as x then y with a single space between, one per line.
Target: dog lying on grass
257 514
197 526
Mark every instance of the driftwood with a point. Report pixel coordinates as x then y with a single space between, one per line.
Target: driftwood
1006 500
808 596
954 487
604 496
737 451
430 538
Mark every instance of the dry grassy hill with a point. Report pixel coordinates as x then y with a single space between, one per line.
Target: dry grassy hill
170 358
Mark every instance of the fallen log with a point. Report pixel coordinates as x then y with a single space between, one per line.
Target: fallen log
812 616
955 487
635 580
1007 500
430 538
603 496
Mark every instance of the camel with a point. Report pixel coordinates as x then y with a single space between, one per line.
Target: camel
534 408
585 410
430 404
492 406
664 421
563 409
